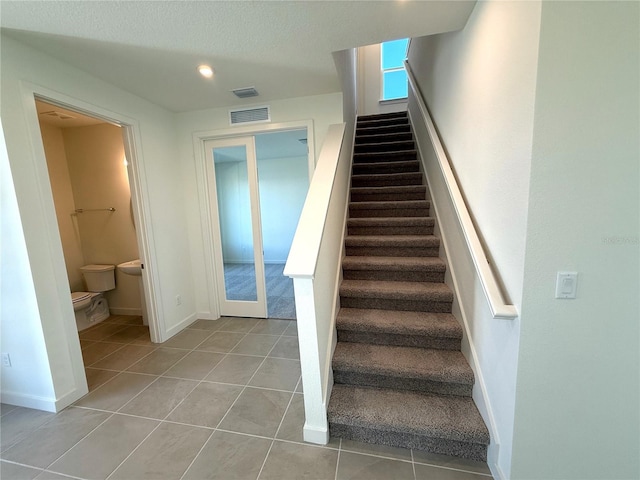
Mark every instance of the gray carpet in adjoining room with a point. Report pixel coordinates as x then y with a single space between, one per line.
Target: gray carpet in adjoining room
240 284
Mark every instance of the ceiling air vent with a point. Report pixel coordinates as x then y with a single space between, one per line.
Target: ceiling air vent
249 115
245 92
57 114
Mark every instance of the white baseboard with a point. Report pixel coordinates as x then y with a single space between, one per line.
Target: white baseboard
206 316
315 435
181 326
29 401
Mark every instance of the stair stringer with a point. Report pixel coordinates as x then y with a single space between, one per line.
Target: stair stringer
479 394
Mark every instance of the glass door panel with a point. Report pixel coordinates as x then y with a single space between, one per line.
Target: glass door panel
234 202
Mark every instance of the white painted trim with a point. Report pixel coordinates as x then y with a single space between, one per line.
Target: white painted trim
184 323
499 308
303 255
480 392
315 435
198 139
30 401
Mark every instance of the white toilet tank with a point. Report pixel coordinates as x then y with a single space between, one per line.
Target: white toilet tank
99 278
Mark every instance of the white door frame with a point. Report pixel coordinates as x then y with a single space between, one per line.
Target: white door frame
199 139
139 198
239 308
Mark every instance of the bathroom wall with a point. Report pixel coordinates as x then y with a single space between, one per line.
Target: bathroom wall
86 169
65 204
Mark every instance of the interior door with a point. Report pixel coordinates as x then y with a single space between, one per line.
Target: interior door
232 177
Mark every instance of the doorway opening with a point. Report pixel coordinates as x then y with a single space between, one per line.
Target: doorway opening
88 170
257 186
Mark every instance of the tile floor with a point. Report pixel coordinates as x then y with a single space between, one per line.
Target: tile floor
222 399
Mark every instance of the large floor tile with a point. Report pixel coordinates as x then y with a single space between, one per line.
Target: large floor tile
450 462
46 475
100 452
116 392
291 427
11 471
187 339
222 342
196 365
295 461
292 330
125 319
128 334
228 456
98 350
6 408
158 361
44 445
256 344
286 347
210 325
206 405
18 423
165 454
162 396
97 377
353 466
277 373
241 325
257 412
123 358
101 331
270 326
427 472
375 449
236 369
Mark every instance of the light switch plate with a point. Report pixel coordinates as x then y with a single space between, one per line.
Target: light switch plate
566 284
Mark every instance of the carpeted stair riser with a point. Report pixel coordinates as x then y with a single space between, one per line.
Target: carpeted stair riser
382 116
447 425
389 194
374 338
395 269
382 122
396 304
394 146
390 226
378 168
372 157
469 451
414 208
412 384
392 245
384 130
396 179
383 137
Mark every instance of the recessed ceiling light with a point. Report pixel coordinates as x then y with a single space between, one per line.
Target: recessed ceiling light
205 70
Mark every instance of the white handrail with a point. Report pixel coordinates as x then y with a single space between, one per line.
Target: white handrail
499 308
305 248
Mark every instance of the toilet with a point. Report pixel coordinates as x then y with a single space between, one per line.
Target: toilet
91 307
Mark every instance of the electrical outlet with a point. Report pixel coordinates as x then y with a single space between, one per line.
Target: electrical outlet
6 360
178 300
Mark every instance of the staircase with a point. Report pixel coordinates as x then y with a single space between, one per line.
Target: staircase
400 378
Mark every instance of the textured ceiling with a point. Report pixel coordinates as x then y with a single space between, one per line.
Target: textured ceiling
151 48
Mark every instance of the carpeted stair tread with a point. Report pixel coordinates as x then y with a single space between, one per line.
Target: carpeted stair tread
394 263
404 412
387 179
391 146
381 116
383 137
438 292
402 192
389 205
392 241
397 363
395 166
382 129
372 157
379 122
442 325
391 222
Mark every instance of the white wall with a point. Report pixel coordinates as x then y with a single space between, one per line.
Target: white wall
99 179
53 143
370 84
24 70
322 110
479 84
578 405
28 380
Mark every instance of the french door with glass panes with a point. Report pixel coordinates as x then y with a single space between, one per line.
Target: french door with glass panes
232 177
